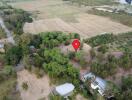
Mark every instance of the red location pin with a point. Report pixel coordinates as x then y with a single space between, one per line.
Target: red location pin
76 44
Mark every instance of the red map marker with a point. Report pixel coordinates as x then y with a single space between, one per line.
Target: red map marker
76 44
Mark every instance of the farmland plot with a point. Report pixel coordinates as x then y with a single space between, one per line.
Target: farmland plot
87 26
56 15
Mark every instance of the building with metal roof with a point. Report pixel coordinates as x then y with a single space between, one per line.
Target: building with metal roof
99 84
64 90
95 82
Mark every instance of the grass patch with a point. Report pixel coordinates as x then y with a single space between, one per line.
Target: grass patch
121 17
6 89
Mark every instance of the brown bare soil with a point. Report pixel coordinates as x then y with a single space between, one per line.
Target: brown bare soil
56 15
79 97
37 88
87 26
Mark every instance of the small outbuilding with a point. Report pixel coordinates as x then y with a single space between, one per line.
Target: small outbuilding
64 90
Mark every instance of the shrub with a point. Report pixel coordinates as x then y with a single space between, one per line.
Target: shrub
103 48
25 86
76 36
71 55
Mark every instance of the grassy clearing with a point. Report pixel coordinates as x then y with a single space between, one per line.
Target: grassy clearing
119 17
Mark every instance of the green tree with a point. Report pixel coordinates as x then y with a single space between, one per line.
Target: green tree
13 55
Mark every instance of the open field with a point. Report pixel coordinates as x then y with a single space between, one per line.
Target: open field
56 15
87 26
37 88
48 9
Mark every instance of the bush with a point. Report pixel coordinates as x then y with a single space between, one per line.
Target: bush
71 55
103 48
25 86
77 36
80 58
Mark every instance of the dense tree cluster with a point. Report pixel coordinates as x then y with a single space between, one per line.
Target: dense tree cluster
15 18
57 65
53 39
100 40
40 52
13 55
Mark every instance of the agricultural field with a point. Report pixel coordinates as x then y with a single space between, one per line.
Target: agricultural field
87 26
58 15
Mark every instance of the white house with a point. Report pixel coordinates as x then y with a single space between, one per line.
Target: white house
64 90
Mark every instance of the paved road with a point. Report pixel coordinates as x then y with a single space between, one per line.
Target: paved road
8 33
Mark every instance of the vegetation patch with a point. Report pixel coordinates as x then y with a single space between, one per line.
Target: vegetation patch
14 18
100 40
8 83
104 63
40 52
121 17
2 33
24 85
92 2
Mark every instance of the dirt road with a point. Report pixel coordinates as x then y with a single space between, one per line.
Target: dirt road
8 33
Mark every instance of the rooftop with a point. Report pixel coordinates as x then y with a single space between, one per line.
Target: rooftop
64 89
101 83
